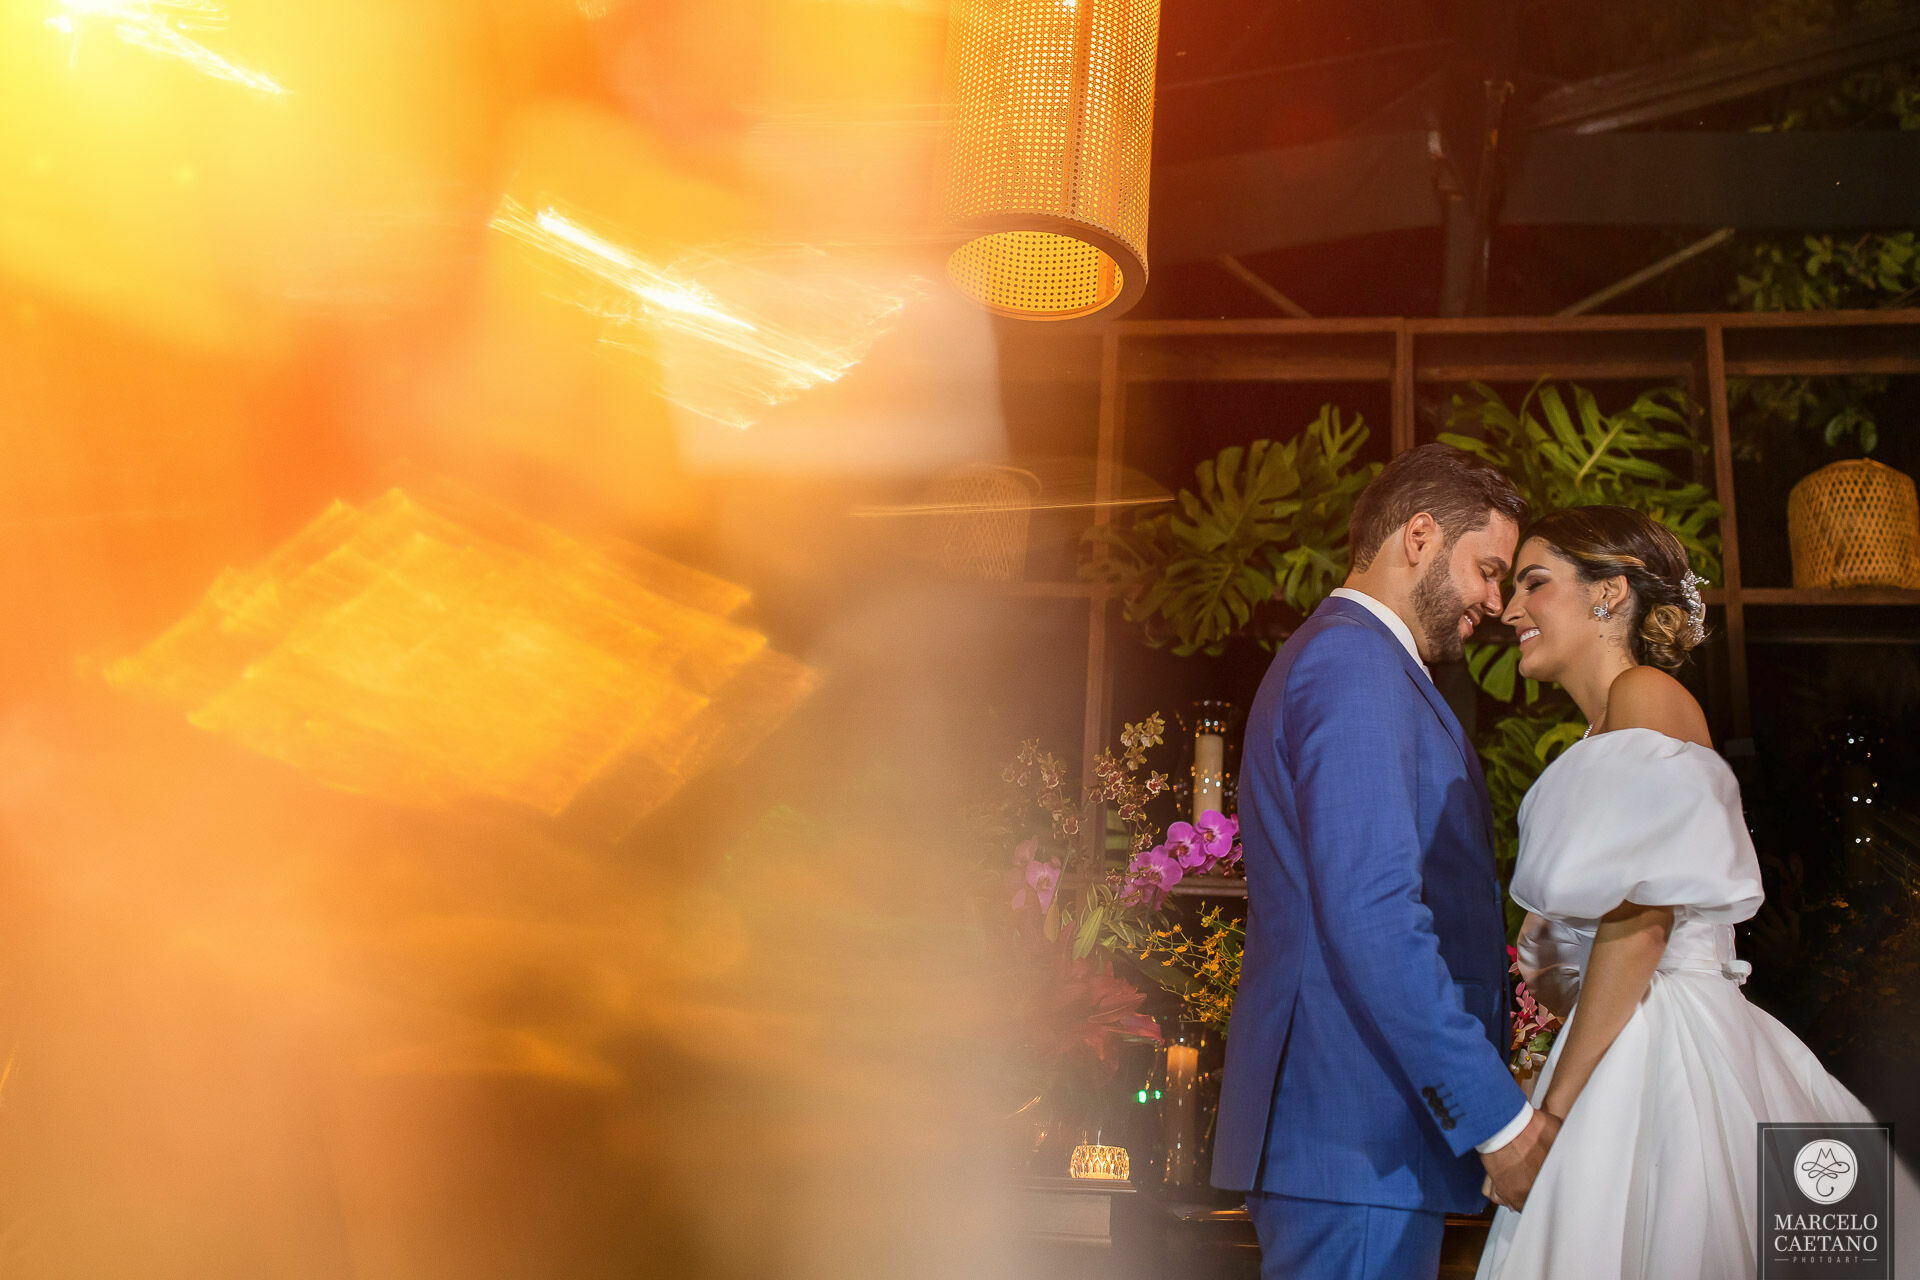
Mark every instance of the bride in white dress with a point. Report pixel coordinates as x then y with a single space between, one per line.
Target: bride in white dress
1634 866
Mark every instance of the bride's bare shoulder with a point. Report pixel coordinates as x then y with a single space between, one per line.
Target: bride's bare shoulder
1648 698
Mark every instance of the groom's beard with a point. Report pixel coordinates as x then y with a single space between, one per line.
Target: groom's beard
1438 607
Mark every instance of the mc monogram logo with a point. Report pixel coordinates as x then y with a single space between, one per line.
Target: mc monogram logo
1825 1170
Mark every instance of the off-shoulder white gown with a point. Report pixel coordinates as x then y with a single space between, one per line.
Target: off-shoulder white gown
1654 1173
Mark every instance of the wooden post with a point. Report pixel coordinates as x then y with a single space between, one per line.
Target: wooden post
1401 431
1106 484
1741 742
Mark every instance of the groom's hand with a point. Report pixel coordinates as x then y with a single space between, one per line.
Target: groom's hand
1512 1169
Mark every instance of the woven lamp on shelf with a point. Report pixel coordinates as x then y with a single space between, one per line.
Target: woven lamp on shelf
1854 524
978 518
1052 106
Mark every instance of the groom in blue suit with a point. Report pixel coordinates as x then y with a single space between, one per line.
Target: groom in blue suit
1366 1092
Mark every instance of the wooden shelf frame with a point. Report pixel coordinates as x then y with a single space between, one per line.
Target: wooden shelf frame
1698 351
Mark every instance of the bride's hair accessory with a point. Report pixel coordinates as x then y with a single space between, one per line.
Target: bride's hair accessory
1690 585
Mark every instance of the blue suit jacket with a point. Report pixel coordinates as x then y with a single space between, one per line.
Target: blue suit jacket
1367 1053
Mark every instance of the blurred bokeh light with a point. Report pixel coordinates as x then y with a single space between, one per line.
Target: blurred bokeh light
538 870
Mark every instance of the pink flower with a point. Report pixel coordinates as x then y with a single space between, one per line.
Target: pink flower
1213 835
1043 878
1530 1020
1027 875
1183 846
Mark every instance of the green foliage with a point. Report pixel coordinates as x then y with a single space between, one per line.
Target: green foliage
1570 457
1264 522
1820 273
1827 272
1840 407
1513 753
1496 669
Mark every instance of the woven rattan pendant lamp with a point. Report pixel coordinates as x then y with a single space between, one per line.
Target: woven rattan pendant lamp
1051 153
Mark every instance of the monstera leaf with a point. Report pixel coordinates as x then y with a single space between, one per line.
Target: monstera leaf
1569 456
1496 668
1239 505
1263 521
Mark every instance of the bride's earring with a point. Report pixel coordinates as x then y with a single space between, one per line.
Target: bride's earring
1601 612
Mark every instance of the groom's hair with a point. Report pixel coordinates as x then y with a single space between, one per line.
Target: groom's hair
1458 490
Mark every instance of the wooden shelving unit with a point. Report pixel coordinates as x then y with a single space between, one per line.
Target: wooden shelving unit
1060 590
1700 352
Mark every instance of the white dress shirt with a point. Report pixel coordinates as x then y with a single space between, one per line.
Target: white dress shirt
1404 634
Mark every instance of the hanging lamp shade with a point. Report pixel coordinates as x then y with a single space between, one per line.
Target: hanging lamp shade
1051 153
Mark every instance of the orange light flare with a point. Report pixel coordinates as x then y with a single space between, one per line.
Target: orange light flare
736 333
433 649
257 1018
160 26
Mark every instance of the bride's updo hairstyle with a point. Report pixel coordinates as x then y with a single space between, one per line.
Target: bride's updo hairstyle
1609 542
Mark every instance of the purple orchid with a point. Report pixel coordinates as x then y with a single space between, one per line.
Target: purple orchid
1214 836
1183 846
1154 873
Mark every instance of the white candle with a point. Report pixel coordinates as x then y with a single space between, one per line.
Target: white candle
1209 772
1177 1111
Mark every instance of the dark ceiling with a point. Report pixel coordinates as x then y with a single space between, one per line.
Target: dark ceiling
1319 143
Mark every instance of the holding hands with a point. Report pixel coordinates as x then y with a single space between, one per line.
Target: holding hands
1512 1169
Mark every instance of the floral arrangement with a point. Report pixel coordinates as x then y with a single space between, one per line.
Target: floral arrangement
1079 923
1111 910
1211 963
1208 847
1534 1028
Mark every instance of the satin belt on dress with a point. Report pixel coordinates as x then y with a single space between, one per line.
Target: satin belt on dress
1699 947
1553 959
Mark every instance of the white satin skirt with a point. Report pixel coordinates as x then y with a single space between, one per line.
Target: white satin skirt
1654 1175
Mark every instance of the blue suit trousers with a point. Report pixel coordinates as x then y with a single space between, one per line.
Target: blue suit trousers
1321 1240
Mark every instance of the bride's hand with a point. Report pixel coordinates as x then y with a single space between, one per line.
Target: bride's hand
1511 1169
1486 1183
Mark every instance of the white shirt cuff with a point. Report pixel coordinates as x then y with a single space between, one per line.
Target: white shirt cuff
1509 1133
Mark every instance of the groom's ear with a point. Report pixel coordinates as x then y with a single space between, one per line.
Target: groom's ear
1420 536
